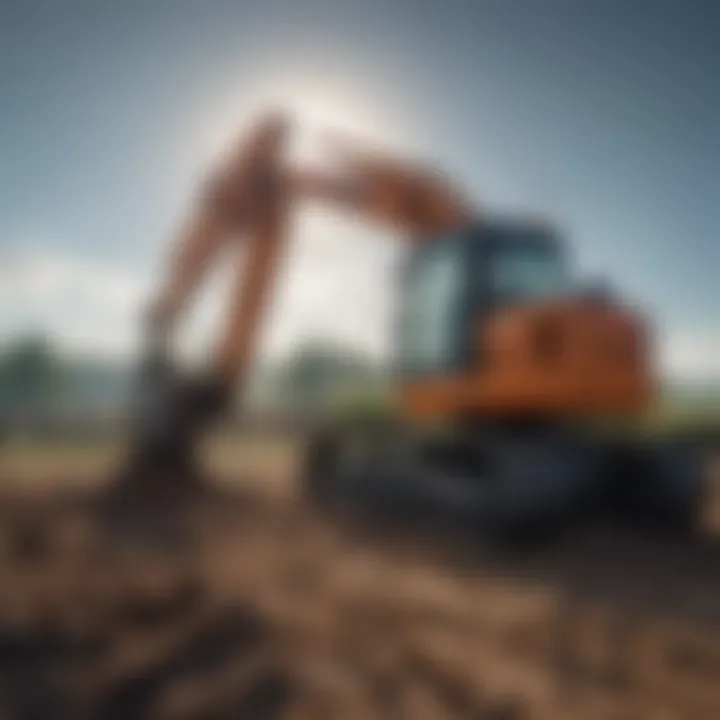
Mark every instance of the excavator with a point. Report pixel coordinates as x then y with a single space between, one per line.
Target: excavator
496 345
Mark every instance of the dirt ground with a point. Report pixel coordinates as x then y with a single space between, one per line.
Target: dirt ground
272 610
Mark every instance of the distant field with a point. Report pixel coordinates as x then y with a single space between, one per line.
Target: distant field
700 418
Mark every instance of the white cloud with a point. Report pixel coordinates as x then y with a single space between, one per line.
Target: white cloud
82 303
691 356
336 283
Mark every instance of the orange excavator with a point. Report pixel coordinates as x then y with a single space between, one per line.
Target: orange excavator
493 341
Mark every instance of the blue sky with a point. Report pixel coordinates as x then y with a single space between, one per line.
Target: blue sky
604 114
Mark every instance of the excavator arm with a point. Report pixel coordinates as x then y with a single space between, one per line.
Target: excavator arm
250 197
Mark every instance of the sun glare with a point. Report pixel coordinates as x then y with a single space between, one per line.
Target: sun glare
316 105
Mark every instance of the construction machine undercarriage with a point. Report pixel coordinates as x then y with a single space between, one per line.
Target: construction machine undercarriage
508 482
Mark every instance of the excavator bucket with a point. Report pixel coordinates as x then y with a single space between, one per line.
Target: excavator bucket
168 419
153 499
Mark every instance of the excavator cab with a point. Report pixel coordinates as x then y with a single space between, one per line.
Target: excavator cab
455 282
492 324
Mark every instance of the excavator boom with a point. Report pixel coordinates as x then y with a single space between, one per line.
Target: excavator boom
253 193
250 197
